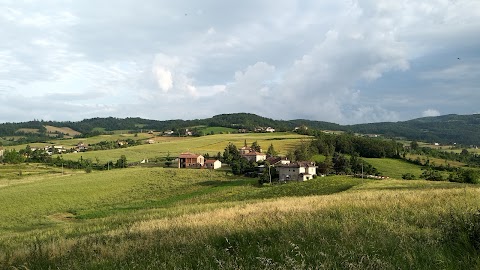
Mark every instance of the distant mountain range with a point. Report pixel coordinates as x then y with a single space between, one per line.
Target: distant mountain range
460 129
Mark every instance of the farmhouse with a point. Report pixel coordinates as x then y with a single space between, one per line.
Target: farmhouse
1 151
189 160
251 155
81 147
278 161
255 156
213 164
296 171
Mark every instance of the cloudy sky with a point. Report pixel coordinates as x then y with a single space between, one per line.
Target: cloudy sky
340 61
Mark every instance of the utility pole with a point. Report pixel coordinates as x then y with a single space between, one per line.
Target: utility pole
269 174
362 169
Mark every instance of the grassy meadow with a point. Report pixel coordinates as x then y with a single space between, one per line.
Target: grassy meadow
168 218
160 218
394 168
211 144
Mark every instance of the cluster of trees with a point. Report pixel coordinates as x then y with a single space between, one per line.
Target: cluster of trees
459 175
240 165
26 155
105 145
471 159
347 143
344 152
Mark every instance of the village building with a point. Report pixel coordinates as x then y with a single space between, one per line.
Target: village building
255 156
296 171
81 147
150 141
122 143
2 151
277 161
213 164
251 155
189 160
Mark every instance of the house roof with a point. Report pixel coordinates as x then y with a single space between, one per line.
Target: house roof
253 153
273 160
188 155
211 161
298 164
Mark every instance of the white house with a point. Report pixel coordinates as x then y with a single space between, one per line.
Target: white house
213 164
254 156
270 129
2 151
297 171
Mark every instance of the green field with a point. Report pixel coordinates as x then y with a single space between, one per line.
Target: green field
394 168
211 144
168 218
155 218
217 130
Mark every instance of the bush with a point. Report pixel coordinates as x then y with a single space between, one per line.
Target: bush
465 176
432 175
408 176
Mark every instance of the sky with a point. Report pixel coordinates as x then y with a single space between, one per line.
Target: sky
340 61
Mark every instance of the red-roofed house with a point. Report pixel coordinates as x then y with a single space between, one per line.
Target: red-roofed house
189 160
213 164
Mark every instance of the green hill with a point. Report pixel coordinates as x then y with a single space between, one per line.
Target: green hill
447 129
155 218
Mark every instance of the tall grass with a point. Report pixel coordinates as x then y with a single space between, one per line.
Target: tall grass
154 218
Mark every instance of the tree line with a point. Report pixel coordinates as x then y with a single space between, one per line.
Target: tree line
27 155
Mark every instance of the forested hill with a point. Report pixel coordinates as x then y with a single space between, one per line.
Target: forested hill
452 128
461 129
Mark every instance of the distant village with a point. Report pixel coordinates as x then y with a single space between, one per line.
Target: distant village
286 170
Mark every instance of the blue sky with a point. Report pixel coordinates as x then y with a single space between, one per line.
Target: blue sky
338 61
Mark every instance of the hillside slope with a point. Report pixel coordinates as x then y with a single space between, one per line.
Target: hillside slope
460 129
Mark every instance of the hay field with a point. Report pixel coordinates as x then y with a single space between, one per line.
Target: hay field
211 144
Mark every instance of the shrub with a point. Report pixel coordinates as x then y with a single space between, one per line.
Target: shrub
432 175
408 176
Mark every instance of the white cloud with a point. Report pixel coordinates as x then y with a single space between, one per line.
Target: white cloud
164 78
325 60
430 112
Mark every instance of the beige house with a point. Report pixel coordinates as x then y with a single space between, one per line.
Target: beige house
297 171
189 160
213 164
254 156
2 151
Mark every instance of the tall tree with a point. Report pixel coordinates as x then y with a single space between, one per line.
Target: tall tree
271 151
256 147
